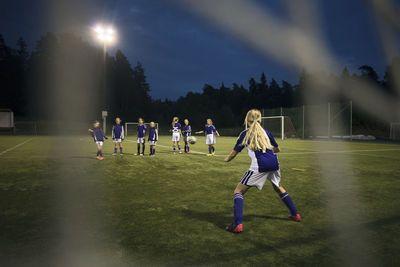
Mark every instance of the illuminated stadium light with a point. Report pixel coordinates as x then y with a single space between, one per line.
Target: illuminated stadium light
106 35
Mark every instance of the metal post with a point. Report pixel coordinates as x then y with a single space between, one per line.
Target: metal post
303 123
281 111
329 120
283 127
351 120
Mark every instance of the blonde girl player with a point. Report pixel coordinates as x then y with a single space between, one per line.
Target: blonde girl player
153 137
187 132
141 131
98 137
261 147
176 134
210 132
118 136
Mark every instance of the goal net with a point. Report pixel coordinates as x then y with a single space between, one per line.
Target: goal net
279 126
131 128
395 131
6 119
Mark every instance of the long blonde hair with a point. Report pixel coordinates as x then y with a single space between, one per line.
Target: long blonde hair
174 120
256 138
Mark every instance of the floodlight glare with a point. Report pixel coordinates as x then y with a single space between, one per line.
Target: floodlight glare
104 34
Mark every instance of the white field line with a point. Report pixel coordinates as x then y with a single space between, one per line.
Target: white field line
304 152
170 147
14 147
339 151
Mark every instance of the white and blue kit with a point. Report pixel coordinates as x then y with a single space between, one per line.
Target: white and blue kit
141 128
264 164
209 131
153 136
176 136
98 136
118 133
186 132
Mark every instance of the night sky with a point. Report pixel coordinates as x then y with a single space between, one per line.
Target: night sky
181 51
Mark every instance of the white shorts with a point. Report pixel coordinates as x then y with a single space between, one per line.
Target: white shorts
186 138
100 143
141 140
257 179
119 140
152 143
210 139
176 137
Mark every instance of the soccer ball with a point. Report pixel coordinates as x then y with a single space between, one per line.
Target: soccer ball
192 140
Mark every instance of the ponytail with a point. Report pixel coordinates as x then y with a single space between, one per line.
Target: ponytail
256 138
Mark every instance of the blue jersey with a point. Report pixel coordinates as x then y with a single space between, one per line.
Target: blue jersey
209 129
141 129
261 161
153 134
118 132
98 135
177 126
187 130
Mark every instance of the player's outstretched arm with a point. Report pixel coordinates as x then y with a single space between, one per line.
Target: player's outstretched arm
217 133
231 156
199 132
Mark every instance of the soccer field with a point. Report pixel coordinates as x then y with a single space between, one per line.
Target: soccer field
60 206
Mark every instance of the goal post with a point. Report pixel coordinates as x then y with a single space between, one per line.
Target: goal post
279 126
131 127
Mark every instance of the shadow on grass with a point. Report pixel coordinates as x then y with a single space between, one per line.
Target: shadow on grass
222 219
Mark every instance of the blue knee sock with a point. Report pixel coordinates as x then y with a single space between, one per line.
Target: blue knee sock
185 148
289 203
179 147
213 149
100 153
120 150
174 148
154 151
238 208
115 150
143 149
188 148
209 150
138 148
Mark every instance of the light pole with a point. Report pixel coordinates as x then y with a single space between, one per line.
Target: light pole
106 36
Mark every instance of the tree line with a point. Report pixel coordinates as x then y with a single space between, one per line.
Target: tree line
65 77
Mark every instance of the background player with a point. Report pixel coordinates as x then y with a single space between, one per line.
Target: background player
187 132
210 132
141 131
261 147
118 136
176 134
153 137
98 137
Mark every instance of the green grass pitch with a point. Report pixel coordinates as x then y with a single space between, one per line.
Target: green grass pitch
59 204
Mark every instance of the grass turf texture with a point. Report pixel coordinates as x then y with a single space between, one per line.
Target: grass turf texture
172 209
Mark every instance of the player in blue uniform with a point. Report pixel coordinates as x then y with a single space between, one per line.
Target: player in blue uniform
141 131
186 132
176 134
98 137
118 136
153 137
210 132
261 147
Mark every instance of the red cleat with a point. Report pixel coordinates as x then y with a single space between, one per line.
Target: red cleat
235 228
97 157
101 158
296 218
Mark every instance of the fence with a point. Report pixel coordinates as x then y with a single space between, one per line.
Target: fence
331 120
